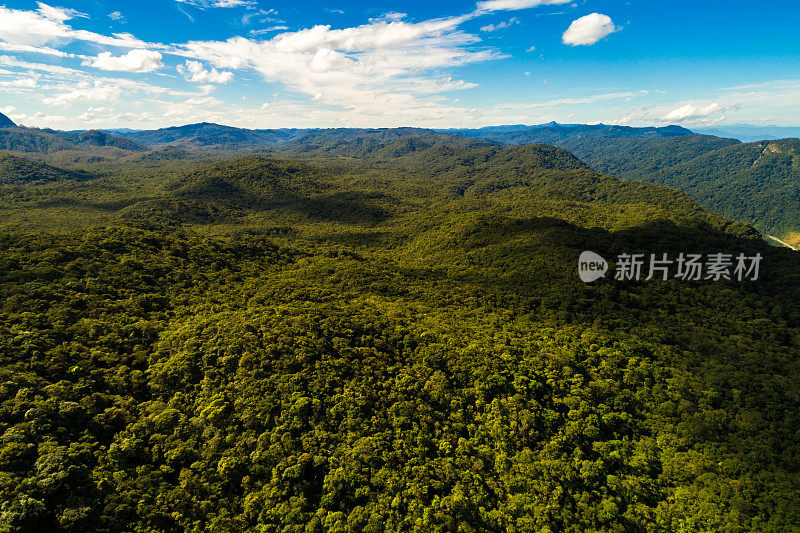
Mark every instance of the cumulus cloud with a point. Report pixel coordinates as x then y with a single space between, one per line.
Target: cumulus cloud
193 71
588 30
378 68
513 5
691 111
134 61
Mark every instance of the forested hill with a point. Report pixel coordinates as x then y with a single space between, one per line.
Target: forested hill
386 336
634 158
18 170
34 140
208 134
757 183
553 132
761 195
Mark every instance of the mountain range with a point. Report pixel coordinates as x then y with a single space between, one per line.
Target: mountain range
755 183
384 330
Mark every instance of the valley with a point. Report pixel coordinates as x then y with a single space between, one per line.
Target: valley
362 330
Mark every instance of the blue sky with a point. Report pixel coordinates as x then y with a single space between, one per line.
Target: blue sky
251 63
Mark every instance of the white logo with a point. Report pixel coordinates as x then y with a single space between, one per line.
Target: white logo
591 267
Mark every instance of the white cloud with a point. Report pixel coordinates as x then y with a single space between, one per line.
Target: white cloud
268 30
203 4
194 72
85 92
586 100
8 47
368 66
513 5
116 15
47 25
28 83
59 13
10 61
134 61
500 25
234 3
691 111
704 112
588 30
202 101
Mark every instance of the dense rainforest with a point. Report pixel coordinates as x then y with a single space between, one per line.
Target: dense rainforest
382 331
757 183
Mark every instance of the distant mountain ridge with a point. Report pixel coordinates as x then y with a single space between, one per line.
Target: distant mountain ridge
34 140
207 134
757 184
750 133
553 131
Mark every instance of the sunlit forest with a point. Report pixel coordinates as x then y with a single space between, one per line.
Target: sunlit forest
381 331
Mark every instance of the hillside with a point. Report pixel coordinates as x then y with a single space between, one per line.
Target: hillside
18 170
756 183
393 338
553 132
207 134
373 177
6 122
634 158
33 140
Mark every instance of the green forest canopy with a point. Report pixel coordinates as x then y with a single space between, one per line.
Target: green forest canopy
390 340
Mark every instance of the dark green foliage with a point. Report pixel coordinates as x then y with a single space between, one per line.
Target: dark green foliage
394 340
17 170
99 138
35 140
638 158
757 183
207 134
